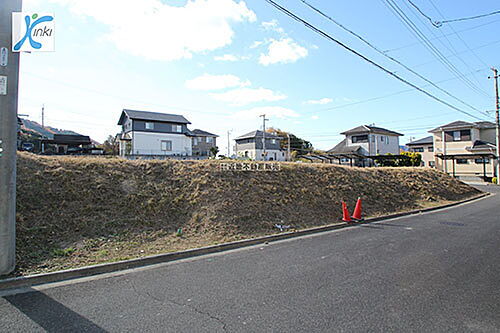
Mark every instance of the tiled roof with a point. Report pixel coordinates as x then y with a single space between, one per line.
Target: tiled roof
154 116
199 132
257 134
464 124
424 141
343 148
370 129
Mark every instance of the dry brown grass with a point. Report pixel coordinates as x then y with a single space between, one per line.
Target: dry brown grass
79 211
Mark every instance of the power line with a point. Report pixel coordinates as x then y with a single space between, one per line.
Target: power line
121 98
410 25
386 55
439 24
449 34
453 50
461 52
458 35
327 36
381 97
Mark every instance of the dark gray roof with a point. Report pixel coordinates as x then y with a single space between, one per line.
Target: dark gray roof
478 144
462 124
370 129
199 132
484 124
257 134
343 148
424 141
154 116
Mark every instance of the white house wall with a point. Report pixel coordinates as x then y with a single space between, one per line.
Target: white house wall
376 146
144 143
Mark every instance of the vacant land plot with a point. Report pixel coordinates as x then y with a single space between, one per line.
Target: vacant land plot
76 211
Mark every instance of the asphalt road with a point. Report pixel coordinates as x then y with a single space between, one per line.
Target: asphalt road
434 272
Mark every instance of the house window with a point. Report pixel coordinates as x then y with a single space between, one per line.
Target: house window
177 128
195 141
430 149
418 150
463 135
462 161
273 141
150 126
432 164
359 138
374 138
166 145
481 161
210 139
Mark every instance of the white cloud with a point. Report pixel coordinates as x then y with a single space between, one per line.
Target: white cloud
155 30
244 96
230 57
283 51
226 57
321 101
269 111
273 25
256 44
216 82
315 117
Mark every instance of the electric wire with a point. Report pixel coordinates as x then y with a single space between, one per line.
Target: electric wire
439 24
327 36
387 56
401 15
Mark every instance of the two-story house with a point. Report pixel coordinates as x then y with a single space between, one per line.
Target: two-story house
203 142
366 141
154 134
251 145
425 147
465 149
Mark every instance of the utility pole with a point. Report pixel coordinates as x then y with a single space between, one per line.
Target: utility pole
497 123
263 136
43 115
9 76
289 153
228 144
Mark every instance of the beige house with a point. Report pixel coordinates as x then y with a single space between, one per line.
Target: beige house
425 147
366 141
465 149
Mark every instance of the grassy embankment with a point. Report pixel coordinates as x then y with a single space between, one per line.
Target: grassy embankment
76 211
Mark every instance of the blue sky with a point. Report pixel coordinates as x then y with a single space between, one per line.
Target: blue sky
221 63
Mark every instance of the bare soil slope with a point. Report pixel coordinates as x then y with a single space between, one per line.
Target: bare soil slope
75 211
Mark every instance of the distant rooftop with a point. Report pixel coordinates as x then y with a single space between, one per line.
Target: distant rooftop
199 132
257 134
425 141
464 124
370 129
154 116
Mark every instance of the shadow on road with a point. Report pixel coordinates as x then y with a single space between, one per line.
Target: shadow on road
50 314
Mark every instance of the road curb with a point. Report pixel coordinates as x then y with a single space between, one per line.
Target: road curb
32 280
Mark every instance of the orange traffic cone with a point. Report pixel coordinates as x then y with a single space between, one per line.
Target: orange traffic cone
345 213
357 211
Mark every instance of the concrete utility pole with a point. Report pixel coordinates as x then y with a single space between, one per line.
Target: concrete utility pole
228 144
289 153
497 123
443 138
43 115
263 136
9 75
